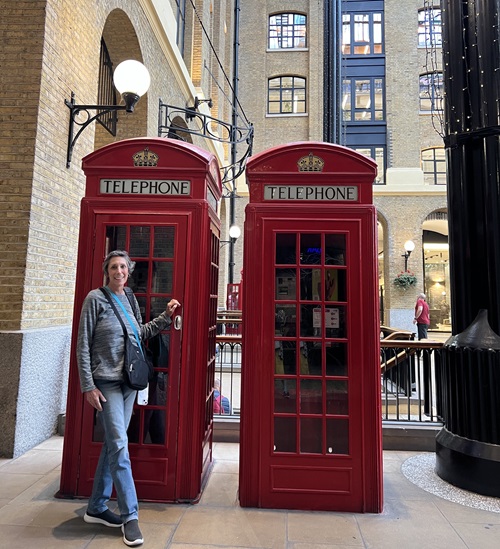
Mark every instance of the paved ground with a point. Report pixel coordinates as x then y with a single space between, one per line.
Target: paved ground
413 517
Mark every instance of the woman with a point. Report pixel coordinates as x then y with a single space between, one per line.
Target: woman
100 350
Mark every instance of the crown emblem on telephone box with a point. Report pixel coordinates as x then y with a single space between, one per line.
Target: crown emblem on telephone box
145 158
311 163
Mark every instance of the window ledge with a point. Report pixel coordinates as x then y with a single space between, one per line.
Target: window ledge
286 115
273 50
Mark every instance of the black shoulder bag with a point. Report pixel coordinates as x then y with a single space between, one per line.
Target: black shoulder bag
137 365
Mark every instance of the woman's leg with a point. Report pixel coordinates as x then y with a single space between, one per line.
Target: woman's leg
114 463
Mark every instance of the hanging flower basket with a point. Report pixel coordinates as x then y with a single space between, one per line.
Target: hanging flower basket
405 279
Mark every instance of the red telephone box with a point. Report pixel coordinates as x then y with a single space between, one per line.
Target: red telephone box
310 411
157 199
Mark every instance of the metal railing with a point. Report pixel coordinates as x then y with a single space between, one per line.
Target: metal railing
410 373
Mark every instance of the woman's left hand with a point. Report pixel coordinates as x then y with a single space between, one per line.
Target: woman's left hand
171 306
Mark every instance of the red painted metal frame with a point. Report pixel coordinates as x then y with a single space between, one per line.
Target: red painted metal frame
197 219
309 481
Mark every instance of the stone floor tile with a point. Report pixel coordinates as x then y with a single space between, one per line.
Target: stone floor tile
221 490
323 528
480 536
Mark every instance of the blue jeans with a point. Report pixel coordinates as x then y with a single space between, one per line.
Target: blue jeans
114 465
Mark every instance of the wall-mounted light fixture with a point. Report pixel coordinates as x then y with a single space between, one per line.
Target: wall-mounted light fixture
191 111
409 247
131 79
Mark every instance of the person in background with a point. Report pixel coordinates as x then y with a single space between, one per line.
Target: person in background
100 351
221 403
421 319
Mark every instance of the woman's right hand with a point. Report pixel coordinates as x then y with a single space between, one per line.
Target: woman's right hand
94 398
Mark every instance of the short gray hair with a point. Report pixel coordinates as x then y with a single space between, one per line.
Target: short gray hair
421 296
118 253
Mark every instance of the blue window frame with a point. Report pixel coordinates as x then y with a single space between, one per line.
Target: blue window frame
363 99
287 30
362 33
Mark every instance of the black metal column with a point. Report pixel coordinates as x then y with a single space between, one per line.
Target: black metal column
471 70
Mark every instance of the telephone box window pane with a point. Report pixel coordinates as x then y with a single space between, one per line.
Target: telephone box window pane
285 358
337 436
139 241
337 398
310 249
311 436
154 425
303 358
336 359
335 285
312 350
162 277
138 280
311 396
285 320
310 321
285 396
286 251
310 284
285 434
133 428
335 321
286 282
335 249
164 242
159 345
116 238
158 305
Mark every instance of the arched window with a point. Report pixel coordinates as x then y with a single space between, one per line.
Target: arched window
286 95
433 162
429 27
287 30
431 92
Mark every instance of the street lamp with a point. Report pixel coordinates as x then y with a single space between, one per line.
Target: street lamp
131 79
409 247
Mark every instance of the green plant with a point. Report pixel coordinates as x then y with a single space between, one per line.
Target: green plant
405 279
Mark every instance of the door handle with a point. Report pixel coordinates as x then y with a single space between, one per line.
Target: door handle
178 322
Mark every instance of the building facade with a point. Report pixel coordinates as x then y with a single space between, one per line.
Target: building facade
391 107
50 50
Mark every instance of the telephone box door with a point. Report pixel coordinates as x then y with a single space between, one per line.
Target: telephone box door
157 245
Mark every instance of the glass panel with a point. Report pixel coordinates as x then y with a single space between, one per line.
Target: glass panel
285 321
311 396
337 436
154 426
116 238
335 285
335 249
337 398
285 284
133 428
303 358
139 241
285 434
158 305
286 253
310 321
162 277
310 249
285 396
311 436
138 280
312 350
336 359
285 354
310 284
164 242
159 345
335 321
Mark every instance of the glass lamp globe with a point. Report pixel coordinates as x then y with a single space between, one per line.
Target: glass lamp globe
234 231
131 79
409 246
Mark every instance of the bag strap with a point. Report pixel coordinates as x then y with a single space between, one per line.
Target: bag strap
109 297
